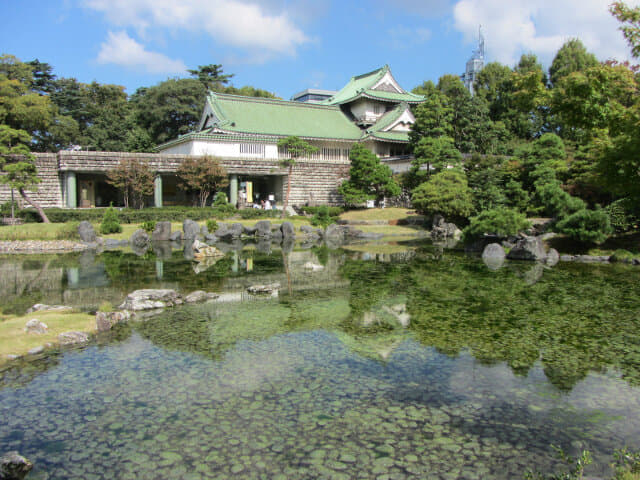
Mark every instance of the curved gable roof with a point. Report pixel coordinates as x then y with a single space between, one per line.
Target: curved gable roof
365 86
252 115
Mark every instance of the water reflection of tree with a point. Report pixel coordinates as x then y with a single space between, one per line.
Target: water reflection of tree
577 319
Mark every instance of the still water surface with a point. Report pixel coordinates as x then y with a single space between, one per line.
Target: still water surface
413 364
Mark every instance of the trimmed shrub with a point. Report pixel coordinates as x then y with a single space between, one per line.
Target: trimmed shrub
149 226
500 221
446 193
128 215
587 226
212 225
323 218
250 213
556 202
220 198
621 255
333 211
622 216
110 223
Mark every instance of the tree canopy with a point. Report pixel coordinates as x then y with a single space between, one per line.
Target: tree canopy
369 179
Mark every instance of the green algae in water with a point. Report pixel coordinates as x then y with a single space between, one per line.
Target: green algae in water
328 383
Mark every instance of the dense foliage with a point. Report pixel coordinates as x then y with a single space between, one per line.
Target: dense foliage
500 221
559 144
202 176
110 222
368 178
446 193
134 178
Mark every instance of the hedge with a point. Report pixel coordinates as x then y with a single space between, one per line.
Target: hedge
129 215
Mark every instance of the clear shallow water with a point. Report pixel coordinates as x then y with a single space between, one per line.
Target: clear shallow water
488 370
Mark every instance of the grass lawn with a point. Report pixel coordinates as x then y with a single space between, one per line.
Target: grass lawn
36 231
392 230
14 340
68 231
379 214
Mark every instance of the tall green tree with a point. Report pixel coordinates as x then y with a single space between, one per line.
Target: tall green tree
572 57
169 109
432 155
212 77
18 165
203 175
22 114
369 179
292 149
494 85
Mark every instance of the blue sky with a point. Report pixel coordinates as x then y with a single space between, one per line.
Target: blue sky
285 46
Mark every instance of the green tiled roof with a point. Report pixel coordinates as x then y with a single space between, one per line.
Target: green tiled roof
402 137
261 116
375 131
360 86
388 118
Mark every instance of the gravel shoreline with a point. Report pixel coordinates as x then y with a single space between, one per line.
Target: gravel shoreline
41 246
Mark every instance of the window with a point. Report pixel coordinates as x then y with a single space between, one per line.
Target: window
252 149
331 153
378 109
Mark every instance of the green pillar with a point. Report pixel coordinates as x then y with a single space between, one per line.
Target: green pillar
157 192
233 189
72 191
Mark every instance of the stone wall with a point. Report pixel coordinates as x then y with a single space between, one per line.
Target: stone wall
49 192
315 181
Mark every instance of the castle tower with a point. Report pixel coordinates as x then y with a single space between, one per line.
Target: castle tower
474 64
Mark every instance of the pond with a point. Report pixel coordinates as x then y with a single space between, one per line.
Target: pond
390 362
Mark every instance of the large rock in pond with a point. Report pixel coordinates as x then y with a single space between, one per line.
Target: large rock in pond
200 296
441 229
73 338
162 232
139 239
149 299
528 248
493 256
202 250
263 229
552 258
263 289
105 321
228 233
191 229
14 466
287 230
86 232
176 236
335 232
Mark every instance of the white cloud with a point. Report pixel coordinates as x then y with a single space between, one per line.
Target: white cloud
513 27
120 49
231 22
